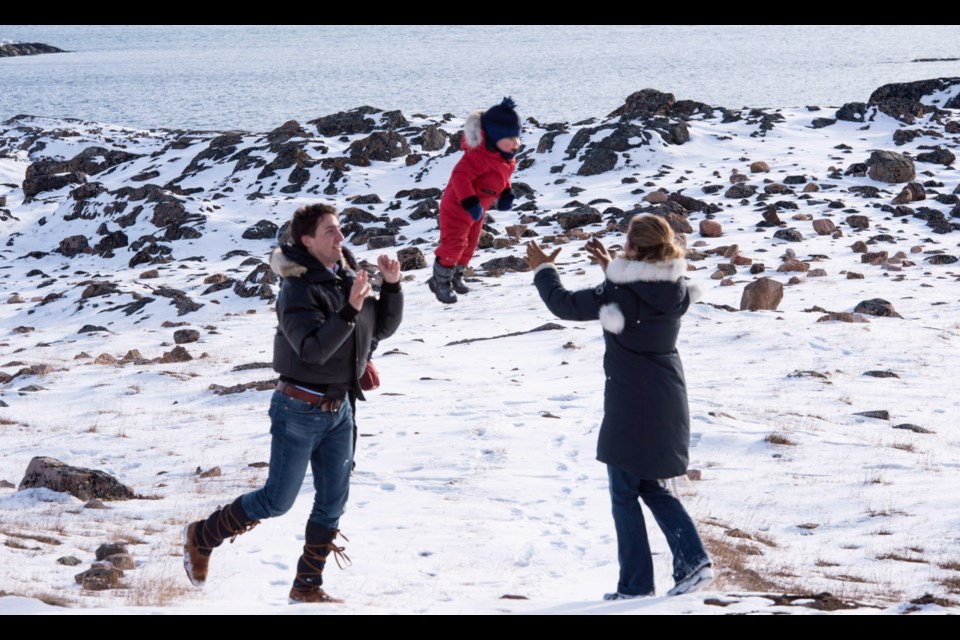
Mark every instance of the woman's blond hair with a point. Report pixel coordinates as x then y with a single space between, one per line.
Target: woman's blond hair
650 239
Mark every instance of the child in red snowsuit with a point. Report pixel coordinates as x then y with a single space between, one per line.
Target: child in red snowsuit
481 179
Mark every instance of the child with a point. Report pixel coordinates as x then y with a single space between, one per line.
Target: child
645 434
481 178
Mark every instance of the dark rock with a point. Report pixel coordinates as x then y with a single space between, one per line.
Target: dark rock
13 49
880 374
346 122
381 242
903 100
508 263
262 230
111 241
941 258
858 222
820 123
857 170
912 427
121 561
881 414
100 578
796 179
877 307
411 258
645 103
381 146
370 198
420 194
73 246
69 561
39 183
169 211
90 328
179 299
185 336
889 166
598 160
790 235
580 217
177 354
81 483
903 136
865 191
434 138
110 548
286 131
761 294
938 156
356 214
740 190
852 112
98 289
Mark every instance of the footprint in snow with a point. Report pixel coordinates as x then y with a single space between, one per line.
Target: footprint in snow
387 486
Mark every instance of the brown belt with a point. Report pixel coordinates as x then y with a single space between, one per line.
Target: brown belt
322 402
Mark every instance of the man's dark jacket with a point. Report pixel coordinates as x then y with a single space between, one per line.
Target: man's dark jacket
321 341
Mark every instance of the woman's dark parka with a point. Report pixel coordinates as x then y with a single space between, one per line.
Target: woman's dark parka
646 422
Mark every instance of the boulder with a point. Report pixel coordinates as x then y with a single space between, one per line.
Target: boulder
580 217
261 230
73 246
759 167
710 229
411 258
598 160
877 307
824 226
79 482
185 336
761 294
891 167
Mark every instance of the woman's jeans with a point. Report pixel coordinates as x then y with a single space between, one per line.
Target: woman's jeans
633 547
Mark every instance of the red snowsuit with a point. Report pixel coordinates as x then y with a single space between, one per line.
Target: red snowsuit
480 172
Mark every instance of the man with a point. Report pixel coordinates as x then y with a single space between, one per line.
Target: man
327 320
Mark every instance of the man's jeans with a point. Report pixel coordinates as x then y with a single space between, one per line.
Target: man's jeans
633 547
303 433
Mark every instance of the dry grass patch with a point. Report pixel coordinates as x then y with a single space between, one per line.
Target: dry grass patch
157 586
951 565
46 597
826 563
901 557
951 584
780 439
844 577
732 561
904 446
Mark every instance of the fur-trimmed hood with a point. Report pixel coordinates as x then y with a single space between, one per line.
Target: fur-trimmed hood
650 281
283 266
473 131
623 271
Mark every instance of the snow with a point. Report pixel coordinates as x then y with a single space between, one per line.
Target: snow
476 476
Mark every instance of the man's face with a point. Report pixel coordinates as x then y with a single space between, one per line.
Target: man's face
326 243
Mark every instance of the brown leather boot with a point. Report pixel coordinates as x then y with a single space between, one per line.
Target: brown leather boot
318 544
200 538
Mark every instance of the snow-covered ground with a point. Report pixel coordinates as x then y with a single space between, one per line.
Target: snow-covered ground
476 488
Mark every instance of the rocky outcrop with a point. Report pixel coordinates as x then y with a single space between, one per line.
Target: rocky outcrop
381 146
26 49
903 100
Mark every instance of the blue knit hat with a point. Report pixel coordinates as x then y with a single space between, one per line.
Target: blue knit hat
501 121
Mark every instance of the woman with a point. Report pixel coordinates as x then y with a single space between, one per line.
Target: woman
645 434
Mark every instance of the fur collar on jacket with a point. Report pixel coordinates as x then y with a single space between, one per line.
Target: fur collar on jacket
623 271
284 262
473 131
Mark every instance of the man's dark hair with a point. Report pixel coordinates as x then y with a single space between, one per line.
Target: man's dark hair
306 218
